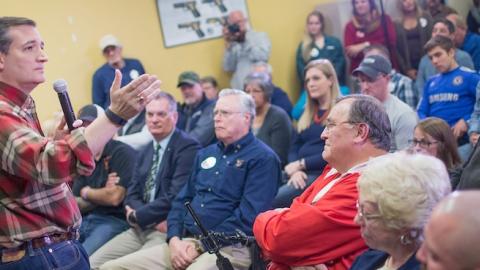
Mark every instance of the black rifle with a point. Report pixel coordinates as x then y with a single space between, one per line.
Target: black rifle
218 3
209 242
194 26
190 5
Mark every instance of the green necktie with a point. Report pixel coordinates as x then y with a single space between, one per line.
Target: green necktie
150 183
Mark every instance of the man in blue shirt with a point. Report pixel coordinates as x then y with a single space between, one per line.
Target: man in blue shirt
231 183
466 40
161 170
103 77
451 94
426 69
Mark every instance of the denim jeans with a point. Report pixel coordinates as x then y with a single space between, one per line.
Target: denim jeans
64 255
96 230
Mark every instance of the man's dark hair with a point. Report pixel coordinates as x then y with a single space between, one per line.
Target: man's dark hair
449 24
5 24
209 79
439 41
368 110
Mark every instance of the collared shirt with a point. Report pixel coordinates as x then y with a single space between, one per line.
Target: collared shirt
228 188
34 197
403 87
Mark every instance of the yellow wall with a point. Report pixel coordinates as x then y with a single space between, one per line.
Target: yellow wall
72 29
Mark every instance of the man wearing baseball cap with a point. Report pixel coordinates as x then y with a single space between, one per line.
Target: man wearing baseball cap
100 195
195 115
373 76
102 79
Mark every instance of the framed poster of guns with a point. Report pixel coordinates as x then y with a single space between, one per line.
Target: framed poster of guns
187 21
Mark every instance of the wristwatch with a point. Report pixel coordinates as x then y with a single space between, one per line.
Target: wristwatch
132 218
114 118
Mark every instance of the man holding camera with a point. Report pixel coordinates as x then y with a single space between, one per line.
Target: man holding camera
243 47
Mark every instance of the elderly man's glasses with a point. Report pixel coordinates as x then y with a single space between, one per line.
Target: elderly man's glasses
224 114
422 143
362 215
331 125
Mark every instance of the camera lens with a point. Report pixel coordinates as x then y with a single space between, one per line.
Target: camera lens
234 28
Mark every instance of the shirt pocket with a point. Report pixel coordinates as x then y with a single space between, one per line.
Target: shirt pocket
231 186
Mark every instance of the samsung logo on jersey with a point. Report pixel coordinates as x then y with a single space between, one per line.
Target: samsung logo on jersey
443 97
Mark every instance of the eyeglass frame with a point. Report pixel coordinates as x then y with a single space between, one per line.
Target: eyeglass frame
224 114
422 143
366 217
330 125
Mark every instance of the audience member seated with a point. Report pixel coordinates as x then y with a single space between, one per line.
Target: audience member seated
271 124
473 18
318 228
451 234
231 182
451 94
317 45
426 69
100 195
413 30
466 40
396 195
279 97
433 136
373 75
437 9
243 47
400 85
305 157
195 115
103 76
366 29
210 87
161 170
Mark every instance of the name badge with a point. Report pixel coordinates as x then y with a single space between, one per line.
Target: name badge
208 163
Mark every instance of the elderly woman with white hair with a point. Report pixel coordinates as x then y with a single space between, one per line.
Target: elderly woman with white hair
397 194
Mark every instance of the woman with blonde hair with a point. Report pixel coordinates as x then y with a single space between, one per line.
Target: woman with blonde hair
305 156
317 45
413 30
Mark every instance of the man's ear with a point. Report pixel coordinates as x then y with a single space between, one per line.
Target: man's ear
2 60
362 132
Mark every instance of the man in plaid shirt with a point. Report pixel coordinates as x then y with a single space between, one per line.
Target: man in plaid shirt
39 217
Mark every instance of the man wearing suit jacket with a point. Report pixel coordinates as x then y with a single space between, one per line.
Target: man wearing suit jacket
162 169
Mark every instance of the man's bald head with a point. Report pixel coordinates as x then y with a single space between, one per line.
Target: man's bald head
452 235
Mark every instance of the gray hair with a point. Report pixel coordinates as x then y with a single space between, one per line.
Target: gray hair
5 24
368 110
405 188
172 103
245 100
263 81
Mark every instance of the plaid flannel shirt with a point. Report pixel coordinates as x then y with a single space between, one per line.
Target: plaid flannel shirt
404 88
35 199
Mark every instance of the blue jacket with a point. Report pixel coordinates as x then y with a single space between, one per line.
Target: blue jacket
373 259
175 168
228 188
471 44
198 121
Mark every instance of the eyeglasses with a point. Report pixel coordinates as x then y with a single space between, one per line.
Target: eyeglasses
366 217
331 125
422 143
224 114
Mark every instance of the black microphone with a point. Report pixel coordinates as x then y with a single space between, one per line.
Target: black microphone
60 86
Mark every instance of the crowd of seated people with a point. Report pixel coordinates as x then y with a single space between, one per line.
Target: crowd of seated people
320 191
